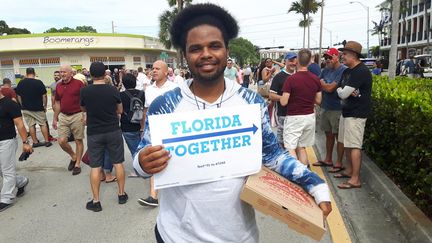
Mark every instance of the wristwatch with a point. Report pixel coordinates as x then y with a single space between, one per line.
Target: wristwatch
26 142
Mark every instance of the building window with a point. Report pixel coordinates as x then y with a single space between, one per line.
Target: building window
116 59
29 61
6 63
137 61
50 61
98 59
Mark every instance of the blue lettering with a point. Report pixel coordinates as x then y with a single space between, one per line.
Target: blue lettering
226 121
217 119
197 125
174 127
215 144
236 121
181 150
193 148
246 140
184 130
236 142
226 143
208 124
204 147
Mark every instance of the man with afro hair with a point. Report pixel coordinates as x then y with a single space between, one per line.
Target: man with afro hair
213 212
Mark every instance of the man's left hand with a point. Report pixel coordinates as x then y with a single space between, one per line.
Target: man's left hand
326 208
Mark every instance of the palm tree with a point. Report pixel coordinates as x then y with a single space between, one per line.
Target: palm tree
165 20
305 8
378 29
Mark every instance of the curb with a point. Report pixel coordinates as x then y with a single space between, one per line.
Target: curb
417 227
413 223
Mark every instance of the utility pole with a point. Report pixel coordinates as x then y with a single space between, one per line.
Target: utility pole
367 31
112 27
321 27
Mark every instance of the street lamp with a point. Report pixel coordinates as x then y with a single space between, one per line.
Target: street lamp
367 32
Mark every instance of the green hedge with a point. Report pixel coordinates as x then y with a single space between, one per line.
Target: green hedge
398 135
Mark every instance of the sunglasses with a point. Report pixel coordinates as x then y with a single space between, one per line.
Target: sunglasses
328 57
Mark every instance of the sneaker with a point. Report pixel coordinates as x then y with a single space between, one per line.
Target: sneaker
94 206
76 170
48 144
71 165
150 201
4 206
21 189
38 144
122 199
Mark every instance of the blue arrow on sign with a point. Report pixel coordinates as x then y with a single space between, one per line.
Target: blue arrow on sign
253 129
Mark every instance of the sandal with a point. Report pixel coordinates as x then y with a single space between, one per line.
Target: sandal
322 163
113 180
336 169
348 185
341 175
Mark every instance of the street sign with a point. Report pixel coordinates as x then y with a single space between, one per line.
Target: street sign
163 55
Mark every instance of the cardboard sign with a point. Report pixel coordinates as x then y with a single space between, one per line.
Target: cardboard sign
208 145
272 194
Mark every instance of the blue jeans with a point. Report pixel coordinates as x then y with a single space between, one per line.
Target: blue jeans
132 140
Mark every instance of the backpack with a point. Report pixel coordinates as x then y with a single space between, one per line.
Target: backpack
136 107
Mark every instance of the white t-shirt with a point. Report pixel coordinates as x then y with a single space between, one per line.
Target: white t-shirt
142 81
178 79
153 91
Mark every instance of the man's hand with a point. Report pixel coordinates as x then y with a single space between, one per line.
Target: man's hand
54 124
153 159
27 148
326 208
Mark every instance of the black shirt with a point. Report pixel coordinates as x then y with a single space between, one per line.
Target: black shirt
31 91
126 126
276 86
359 78
101 101
9 110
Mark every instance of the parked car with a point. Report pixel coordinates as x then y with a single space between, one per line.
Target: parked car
423 65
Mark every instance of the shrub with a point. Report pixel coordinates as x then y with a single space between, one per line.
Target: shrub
398 135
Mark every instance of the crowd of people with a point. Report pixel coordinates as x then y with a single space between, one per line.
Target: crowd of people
115 105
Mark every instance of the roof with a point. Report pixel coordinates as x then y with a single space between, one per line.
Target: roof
75 34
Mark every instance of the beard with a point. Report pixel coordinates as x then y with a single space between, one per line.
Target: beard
208 78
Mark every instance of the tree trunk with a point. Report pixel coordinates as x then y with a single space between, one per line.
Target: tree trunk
179 53
304 31
394 37
308 27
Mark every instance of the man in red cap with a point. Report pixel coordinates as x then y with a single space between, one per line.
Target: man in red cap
331 108
355 91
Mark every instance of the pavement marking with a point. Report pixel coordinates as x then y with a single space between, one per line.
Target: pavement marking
336 225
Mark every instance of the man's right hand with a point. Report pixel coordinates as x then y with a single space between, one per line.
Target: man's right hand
54 124
153 159
27 148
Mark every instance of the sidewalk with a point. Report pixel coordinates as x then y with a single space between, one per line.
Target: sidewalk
363 210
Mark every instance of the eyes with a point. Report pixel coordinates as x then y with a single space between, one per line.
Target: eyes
198 48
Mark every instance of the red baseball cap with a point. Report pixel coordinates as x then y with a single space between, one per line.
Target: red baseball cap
331 52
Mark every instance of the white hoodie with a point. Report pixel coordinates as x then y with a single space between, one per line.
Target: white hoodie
213 212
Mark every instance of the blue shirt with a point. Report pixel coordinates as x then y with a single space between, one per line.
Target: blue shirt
331 100
315 69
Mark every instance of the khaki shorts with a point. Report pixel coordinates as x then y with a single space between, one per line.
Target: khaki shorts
70 124
34 117
351 131
299 131
330 121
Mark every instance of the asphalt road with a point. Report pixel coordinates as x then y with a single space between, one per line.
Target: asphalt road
53 208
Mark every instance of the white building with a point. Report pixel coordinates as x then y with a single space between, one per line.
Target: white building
47 52
413 27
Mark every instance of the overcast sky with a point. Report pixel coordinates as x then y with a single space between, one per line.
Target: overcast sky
263 22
